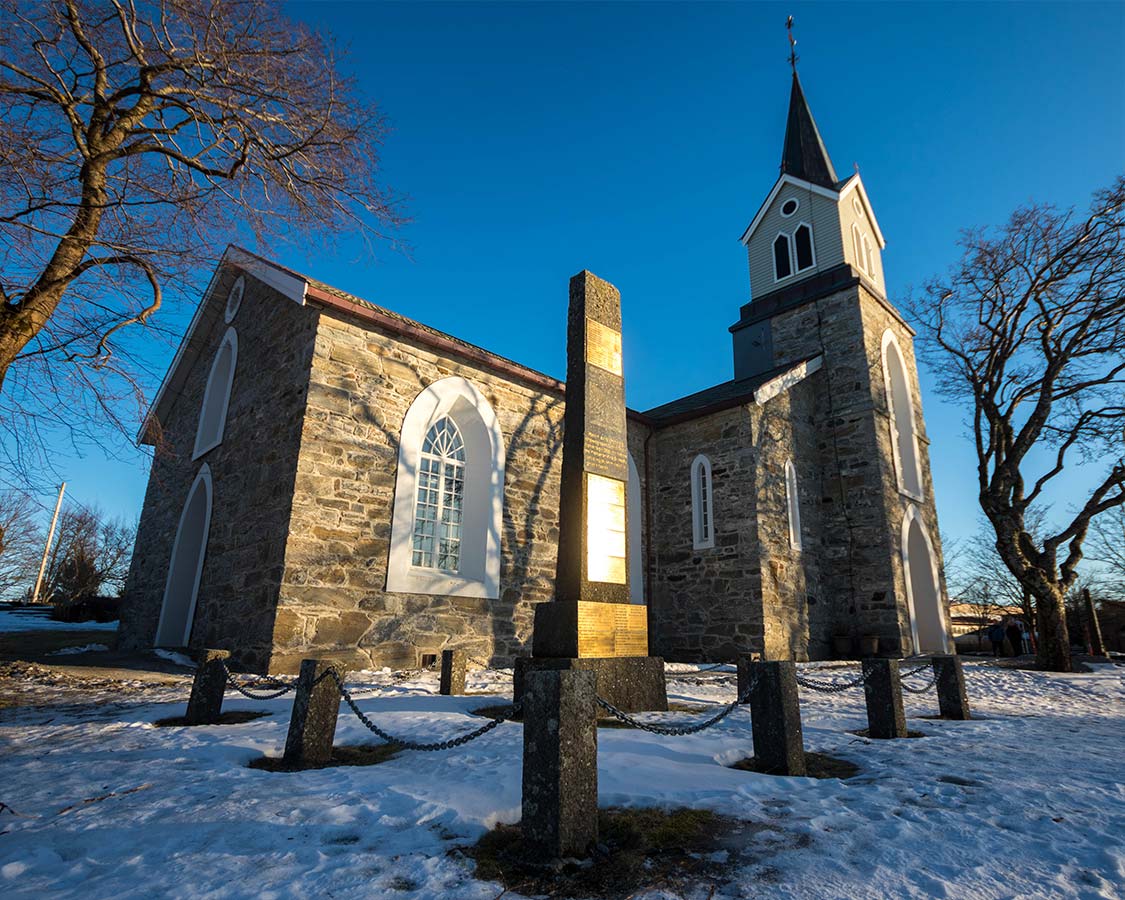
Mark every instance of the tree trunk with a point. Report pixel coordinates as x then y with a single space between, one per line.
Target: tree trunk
1054 641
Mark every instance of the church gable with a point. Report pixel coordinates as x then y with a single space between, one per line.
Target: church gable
797 234
860 235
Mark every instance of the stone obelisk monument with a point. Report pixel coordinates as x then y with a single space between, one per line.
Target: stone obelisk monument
591 624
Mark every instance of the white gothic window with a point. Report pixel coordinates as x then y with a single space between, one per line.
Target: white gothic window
802 239
782 267
869 256
440 500
793 505
216 396
857 250
702 507
900 406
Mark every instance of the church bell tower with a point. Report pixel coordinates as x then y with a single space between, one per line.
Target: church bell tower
818 296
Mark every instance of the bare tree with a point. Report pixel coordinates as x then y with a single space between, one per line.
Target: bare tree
21 543
1107 546
136 138
91 554
1029 329
979 580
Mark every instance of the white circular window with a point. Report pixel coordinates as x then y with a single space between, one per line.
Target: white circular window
857 206
234 299
790 206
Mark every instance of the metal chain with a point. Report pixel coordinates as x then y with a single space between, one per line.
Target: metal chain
411 745
683 729
913 672
285 687
830 687
921 689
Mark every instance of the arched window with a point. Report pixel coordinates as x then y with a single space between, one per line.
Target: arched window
234 299
857 249
802 240
440 498
793 505
782 267
216 396
449 495
900 407
923 587
869 256
185 567
702 508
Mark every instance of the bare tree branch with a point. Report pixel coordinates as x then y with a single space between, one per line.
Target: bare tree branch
1030 329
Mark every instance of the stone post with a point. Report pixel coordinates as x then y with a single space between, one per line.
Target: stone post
1097 645
453 665
745 663
206 702
316 704
953 702
883 692
775 716
560 762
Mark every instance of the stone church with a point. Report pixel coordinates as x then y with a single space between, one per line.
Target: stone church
331 478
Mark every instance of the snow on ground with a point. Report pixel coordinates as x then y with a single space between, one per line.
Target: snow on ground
38 619
1028 801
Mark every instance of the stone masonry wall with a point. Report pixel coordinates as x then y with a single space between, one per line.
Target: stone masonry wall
876 321
706 603
252 470
861 509
333 597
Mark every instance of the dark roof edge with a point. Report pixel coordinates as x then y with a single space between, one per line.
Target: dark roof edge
439 340
832 281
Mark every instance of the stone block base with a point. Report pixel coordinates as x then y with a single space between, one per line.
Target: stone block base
631 683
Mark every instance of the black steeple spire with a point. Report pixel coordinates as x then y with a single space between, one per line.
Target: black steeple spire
804 155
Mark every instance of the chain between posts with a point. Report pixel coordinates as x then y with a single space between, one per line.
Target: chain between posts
921 689
283 687
411 745
836 687
830 687
622 716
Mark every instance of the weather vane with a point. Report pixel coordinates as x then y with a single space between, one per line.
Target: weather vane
793 57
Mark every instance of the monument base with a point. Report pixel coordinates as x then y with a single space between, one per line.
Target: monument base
631 683
586 628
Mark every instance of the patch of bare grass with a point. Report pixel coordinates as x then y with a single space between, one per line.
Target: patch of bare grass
638 850
347 755
817 765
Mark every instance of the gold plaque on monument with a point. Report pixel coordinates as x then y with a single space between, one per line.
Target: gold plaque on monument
612 630
605 529
603 346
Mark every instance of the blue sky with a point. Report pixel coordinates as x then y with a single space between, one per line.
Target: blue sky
637 140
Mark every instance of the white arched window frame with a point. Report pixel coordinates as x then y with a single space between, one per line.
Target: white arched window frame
216 396
806 228
900 412
793 505
702 505
857 249
782 257
911 518
234 299
482 505
869 256
185 566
